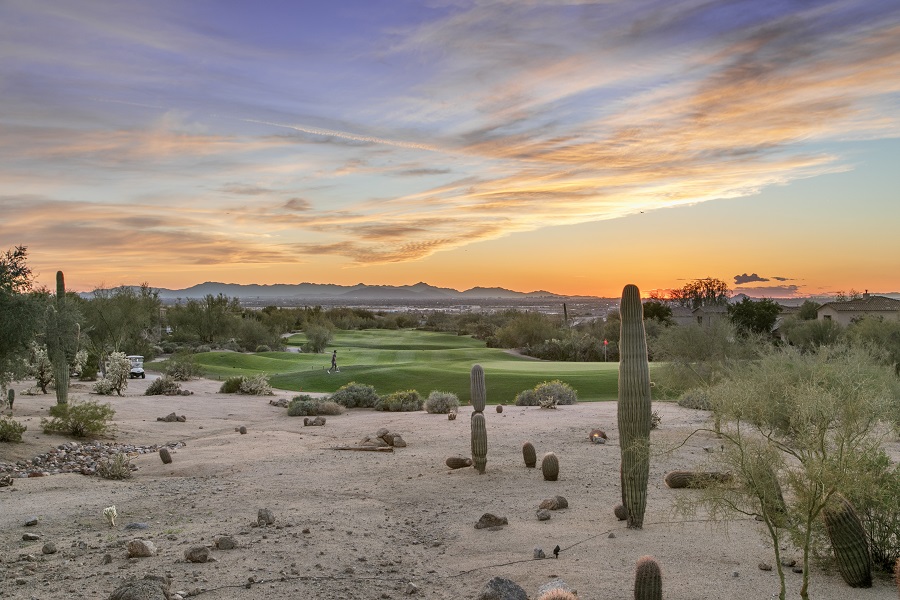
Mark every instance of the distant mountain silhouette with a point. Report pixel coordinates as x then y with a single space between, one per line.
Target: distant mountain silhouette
329 291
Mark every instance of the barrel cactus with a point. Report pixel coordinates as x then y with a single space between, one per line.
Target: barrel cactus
458 462
621 512
647 579
695 479
848 540
550 467
529 454
479 442
633 409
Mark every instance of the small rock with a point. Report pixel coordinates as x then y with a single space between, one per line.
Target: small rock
226 542
489 520
611 536
30 537
149 588
242 430
411 589
140 549
265 517
137 526
797 569
399 442
543 514
763 566
539 553
107 559
499 588
735 574
788 562
31 521
197 554
49 548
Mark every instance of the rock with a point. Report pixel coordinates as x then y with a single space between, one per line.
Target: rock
499 588
30 537
31 521
165 456
49 548
226 542
242 430
611 535
169 418
543 514
141 549
539 553
387 436
763 566
318 421
554 584
458 462
107 559
398 442
197 554
182 418
788 562
149 588
411 589
561 502
489 520
797 569
281 402
137 526
598 436
264 517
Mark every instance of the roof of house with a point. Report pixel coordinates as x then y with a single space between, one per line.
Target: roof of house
865 304
712 309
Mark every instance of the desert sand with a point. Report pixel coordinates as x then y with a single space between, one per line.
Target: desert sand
372 525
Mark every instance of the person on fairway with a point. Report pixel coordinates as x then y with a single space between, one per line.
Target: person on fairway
334 366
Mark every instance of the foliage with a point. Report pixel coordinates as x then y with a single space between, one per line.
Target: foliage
355 395
555 391
262 348
21 314
883 333
401 401
203 348
80 419
232 385
123 319
754 316
258 385
702 292
441 402
317 337
527 329
182 366
307 406
207 320
809 310
809 335
878 508
659 311
11 430
117 467
655 419
117 371
39 367
697 398
808 421
163 386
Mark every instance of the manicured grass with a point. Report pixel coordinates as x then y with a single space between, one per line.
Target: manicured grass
406 359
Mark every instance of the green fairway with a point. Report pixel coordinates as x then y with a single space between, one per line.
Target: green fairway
392 360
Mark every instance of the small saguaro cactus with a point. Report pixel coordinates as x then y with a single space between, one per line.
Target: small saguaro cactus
478 389
10 397
62 339
550 467
848 540
529 454
479 442
647 579
633 409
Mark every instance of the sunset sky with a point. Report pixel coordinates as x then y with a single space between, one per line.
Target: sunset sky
530 144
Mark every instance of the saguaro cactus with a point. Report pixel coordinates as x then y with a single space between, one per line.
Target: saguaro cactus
647 579
479 427
848 540
61 339
634 406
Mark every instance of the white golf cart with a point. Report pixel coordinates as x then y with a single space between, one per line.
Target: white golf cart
137 367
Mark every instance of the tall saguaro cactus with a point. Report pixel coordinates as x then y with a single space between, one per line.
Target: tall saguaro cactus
479 429
62 339
634 406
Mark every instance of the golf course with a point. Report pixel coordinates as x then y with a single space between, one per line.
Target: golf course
392 360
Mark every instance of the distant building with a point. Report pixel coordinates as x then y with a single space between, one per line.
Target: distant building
705 316
849 311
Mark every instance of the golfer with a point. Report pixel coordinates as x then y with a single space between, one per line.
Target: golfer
334 362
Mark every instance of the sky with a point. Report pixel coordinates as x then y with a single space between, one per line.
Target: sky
572 147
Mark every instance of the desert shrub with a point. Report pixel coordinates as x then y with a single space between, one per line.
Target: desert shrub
117 371
303 406
232 345
232 385
441 402
697 398
263 348
879 510
402 401
117 467
40 367
355 395
556 390
80 419
258 385
11 430
655 420
168 347
202 348
164 386
182 366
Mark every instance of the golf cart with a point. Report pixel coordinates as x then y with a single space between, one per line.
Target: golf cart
137 367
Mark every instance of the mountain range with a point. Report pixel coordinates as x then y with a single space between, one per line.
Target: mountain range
329 291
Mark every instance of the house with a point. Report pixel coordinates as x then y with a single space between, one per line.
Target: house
849 311
704 316
682 315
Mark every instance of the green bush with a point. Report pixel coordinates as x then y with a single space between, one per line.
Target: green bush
117 467
303 406
258 385
697 398
164 386
81 419
168 347
563 393
11 430
202 348
182 366
232 345
263 348
232 385
355 395
404 401
441 402
117 372
879 509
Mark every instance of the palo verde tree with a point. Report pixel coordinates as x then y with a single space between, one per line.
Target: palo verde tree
21 315
123 319
805 423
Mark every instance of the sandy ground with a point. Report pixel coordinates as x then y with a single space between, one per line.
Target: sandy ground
365 524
